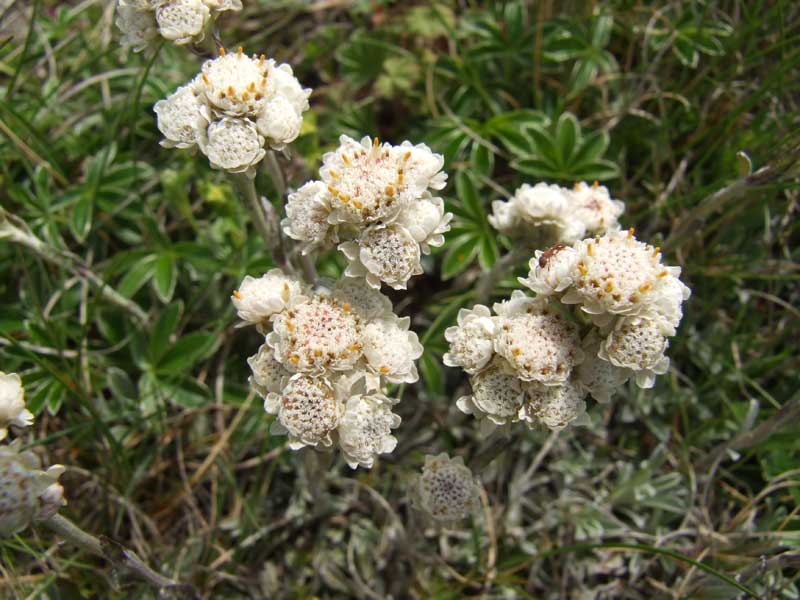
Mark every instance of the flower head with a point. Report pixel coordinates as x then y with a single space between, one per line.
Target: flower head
551 270
365 300
538 343
180 21
593 205
366 429
391 349
638 344
316 335
543 208
497 394
257 300
269 376
446 490
307 217
180 118
308 408
471 342
555 407
618 275
12 404
233 145
383 254
27 493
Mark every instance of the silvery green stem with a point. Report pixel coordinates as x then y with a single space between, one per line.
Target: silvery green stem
494 447
117 555
264 218
306 264
487 281
13 229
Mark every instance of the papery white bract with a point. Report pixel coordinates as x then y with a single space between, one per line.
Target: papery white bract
257 300
12 404
366 429
471 342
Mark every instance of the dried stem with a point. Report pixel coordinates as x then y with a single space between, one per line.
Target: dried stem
119 556
14 229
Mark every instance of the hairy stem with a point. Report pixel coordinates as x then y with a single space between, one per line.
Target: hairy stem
494 447
264 218
116 554
487 281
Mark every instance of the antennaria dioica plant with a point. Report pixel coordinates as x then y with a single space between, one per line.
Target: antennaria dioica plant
529 402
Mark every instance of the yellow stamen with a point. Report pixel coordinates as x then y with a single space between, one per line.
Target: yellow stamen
356 346
516 351
222 50
389 191
239 51
344 198
261 60
644 287
345 159
333 173
204 78
630 233
662 274
230 91
590 250
346 307
375 142
333 190
595 185
245 96
357 204
252 87
656 251
294 359
582 268
406 156
384 370
237 295
317 352
609 286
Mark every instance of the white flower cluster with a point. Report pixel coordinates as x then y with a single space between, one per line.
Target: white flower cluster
376 200
236 107
521 363
326 357
557 214
446 490
536 360
180 21
27 493
633 299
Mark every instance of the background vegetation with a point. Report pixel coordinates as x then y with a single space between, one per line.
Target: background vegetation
680 491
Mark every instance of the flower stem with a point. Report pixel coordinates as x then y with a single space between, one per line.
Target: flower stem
494 447
489 279
264 218
116 554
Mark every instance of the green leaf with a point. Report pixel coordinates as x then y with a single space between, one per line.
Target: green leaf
459 256
137 276
482 160
164 329
165 276
600 170
535 167
468 195
567 132
488 253
431 371
81 222
185 353
592 147
120 384
685 52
